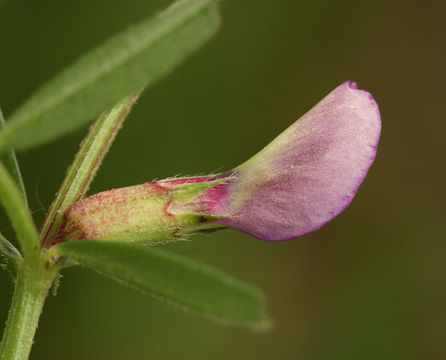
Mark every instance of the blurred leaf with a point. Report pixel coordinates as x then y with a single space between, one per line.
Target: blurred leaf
10 161
177 279
7 249
9 256
88 159
125 63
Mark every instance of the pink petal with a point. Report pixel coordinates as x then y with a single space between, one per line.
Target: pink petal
310 172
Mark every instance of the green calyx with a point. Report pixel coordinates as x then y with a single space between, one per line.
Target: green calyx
149 213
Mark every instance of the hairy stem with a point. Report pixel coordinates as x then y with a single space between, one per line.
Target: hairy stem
31 289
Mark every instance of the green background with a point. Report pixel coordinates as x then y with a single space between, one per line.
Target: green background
370 285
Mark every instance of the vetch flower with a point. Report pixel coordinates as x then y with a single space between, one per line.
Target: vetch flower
295 185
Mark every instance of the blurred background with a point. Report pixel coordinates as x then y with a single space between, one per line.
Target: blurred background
369 285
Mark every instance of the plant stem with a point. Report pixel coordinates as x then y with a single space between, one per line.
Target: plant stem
31 289
21 219
11 163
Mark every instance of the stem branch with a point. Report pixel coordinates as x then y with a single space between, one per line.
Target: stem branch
85 165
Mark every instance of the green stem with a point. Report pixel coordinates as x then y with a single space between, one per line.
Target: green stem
31 289
11 163
21 219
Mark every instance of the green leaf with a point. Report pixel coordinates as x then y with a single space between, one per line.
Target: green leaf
85 165
11 164
124 64
174 278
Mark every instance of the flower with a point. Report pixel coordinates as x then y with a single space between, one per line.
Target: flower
295 185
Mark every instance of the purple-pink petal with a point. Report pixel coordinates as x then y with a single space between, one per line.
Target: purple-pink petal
310 172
